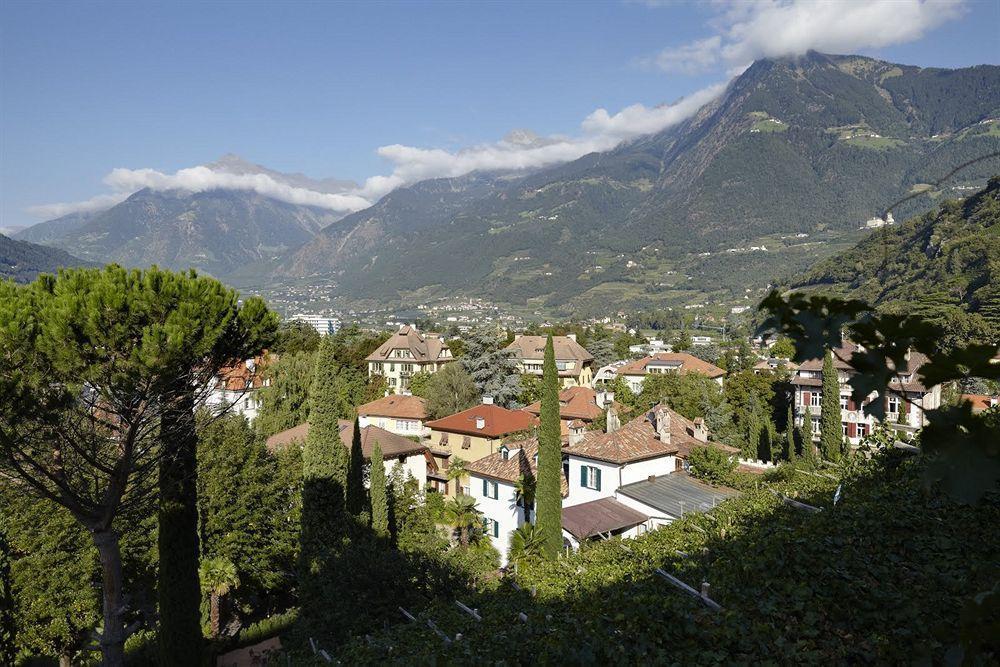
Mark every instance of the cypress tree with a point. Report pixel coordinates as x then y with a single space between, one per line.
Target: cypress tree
808 447
790 435
379 493
324 472
356 474
831 433
178 586
548 488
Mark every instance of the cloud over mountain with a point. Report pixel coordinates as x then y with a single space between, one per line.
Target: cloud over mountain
746 31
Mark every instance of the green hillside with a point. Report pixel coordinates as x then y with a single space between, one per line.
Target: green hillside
946 259
22 261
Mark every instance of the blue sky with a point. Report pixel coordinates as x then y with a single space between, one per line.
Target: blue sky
87 87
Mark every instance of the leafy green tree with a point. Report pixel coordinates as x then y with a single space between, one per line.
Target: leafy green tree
420 384
711 464
692 395
531 389
548 491
295 337
831 433
783 348
247 505
682 342
355 492
450 390
106 362
748 396
218 576
284 401
493 369
456 472
379 493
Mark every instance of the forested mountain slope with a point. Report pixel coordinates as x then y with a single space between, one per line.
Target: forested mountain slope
23 261
946 259
811 145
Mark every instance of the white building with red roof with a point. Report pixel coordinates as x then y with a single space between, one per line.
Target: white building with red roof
402 414
680 363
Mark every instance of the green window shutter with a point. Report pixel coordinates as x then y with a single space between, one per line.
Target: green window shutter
485 494
597 477
583 476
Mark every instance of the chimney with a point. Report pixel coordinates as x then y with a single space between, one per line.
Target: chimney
663 425
517 335
651 478
480 422
571 336
612 422
576 436
487 400
700 432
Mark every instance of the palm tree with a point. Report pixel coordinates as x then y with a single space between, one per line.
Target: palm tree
462 514
525 544
218 577
456 471
524 493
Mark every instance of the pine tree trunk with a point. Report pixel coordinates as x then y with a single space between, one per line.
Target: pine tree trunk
113 637
179 590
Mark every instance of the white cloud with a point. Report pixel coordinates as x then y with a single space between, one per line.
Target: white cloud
50 211
521 149
746 31
200 179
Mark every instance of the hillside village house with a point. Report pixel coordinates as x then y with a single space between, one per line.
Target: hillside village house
414 457
808 386
408 351
402 414
605 479
578 406
236 387
471 435
636 371
574 363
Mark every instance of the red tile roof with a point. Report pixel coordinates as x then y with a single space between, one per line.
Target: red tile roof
574 403
498 421
392 445
981 402
842 355
396 405
520 462
688 363
239 377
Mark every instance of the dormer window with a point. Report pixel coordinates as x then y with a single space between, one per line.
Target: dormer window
504 452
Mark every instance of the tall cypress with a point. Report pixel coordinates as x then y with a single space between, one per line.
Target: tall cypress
324 472
790 435
379 493
356 474
808 446
178 586
548 487
831 433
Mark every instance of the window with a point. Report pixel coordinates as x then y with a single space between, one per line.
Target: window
392 382
843 402
490 489
814 399
491 527
862 429
843 427
893 406
815 429
402 425
504 452
590 477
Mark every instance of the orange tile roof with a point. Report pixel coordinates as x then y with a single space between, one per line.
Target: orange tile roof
533 347
637 440
574 403
239 377
392 445
688 363
521 462
400 406
981 402
424 348
499 421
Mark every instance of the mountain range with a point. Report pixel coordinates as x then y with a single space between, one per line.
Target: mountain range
776 173
22 261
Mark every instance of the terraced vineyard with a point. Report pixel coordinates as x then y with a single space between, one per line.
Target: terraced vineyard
880 577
